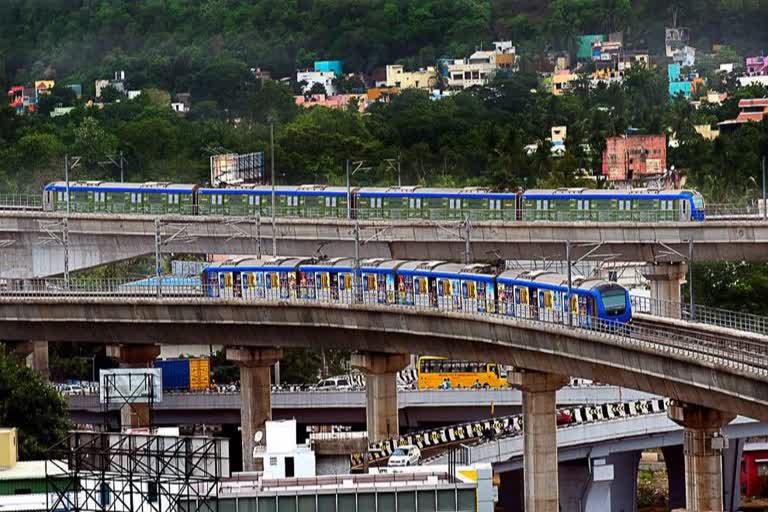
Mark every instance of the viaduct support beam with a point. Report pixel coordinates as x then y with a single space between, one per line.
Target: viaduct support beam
34 354
255 393
703 445
135 415
381 411
665 280
539 438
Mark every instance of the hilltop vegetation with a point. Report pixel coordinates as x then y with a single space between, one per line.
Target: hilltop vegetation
207 47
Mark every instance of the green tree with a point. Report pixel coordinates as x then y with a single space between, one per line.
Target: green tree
92 142
29 403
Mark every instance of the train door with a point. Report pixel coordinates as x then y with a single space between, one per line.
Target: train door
213 284
404 285
381 288
237 285
272 285
283 285
420 291
506 299
481 306
432 292
333 288
685 210
227 288
444 294
522 305
370 288
345 287
533 302
469 294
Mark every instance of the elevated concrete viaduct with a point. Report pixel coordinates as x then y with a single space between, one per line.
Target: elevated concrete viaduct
729 379
33 247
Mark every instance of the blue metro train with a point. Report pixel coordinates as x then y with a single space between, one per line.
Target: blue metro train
476 288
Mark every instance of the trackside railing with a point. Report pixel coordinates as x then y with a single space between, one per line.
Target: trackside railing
744 355
263 209
737 320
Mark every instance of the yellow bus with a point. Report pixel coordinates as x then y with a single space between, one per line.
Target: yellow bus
441 373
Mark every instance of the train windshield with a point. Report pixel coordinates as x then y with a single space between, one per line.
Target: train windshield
698 201
614 300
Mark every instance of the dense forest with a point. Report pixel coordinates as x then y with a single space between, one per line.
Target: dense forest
206 47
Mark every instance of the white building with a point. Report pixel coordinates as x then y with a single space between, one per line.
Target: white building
324 78
279 454
478 69
745 81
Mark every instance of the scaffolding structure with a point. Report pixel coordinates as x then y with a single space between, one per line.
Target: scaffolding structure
135 472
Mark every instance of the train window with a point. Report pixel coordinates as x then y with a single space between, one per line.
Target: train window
371 282
625 204
446 287
471 290
548 300
422 286
133 198
582 204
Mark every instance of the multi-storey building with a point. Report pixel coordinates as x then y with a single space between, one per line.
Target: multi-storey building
633 157
757 66
398 77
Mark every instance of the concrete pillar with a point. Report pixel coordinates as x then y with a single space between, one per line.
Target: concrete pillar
255 393
703 445
34 354
381 410
665 280
675 464
732 475
136 415
539 438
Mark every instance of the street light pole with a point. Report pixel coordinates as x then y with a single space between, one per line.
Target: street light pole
272 164
349 194
399 184
765 212
122 178
66 178
690 280
570 280
158 270
65 243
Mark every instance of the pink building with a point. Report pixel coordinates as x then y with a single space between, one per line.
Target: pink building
757 66
337 101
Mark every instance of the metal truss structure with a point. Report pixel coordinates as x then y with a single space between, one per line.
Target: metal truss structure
129 472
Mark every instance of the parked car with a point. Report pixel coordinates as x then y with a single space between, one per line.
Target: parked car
407 455
340 383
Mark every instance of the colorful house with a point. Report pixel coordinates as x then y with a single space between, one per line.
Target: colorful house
633 157
584 45
757 66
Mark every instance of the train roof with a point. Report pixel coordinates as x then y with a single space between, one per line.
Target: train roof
606 194
149 186
551 279
411 267
267 262
415 191
381 265
281 190
344 264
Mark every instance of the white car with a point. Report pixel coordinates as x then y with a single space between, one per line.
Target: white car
340 383
407 455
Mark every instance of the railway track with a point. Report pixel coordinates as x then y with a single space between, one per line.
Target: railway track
698 339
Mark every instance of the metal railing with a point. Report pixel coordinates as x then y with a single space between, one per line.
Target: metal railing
709 315
742 355
21 202
34 202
